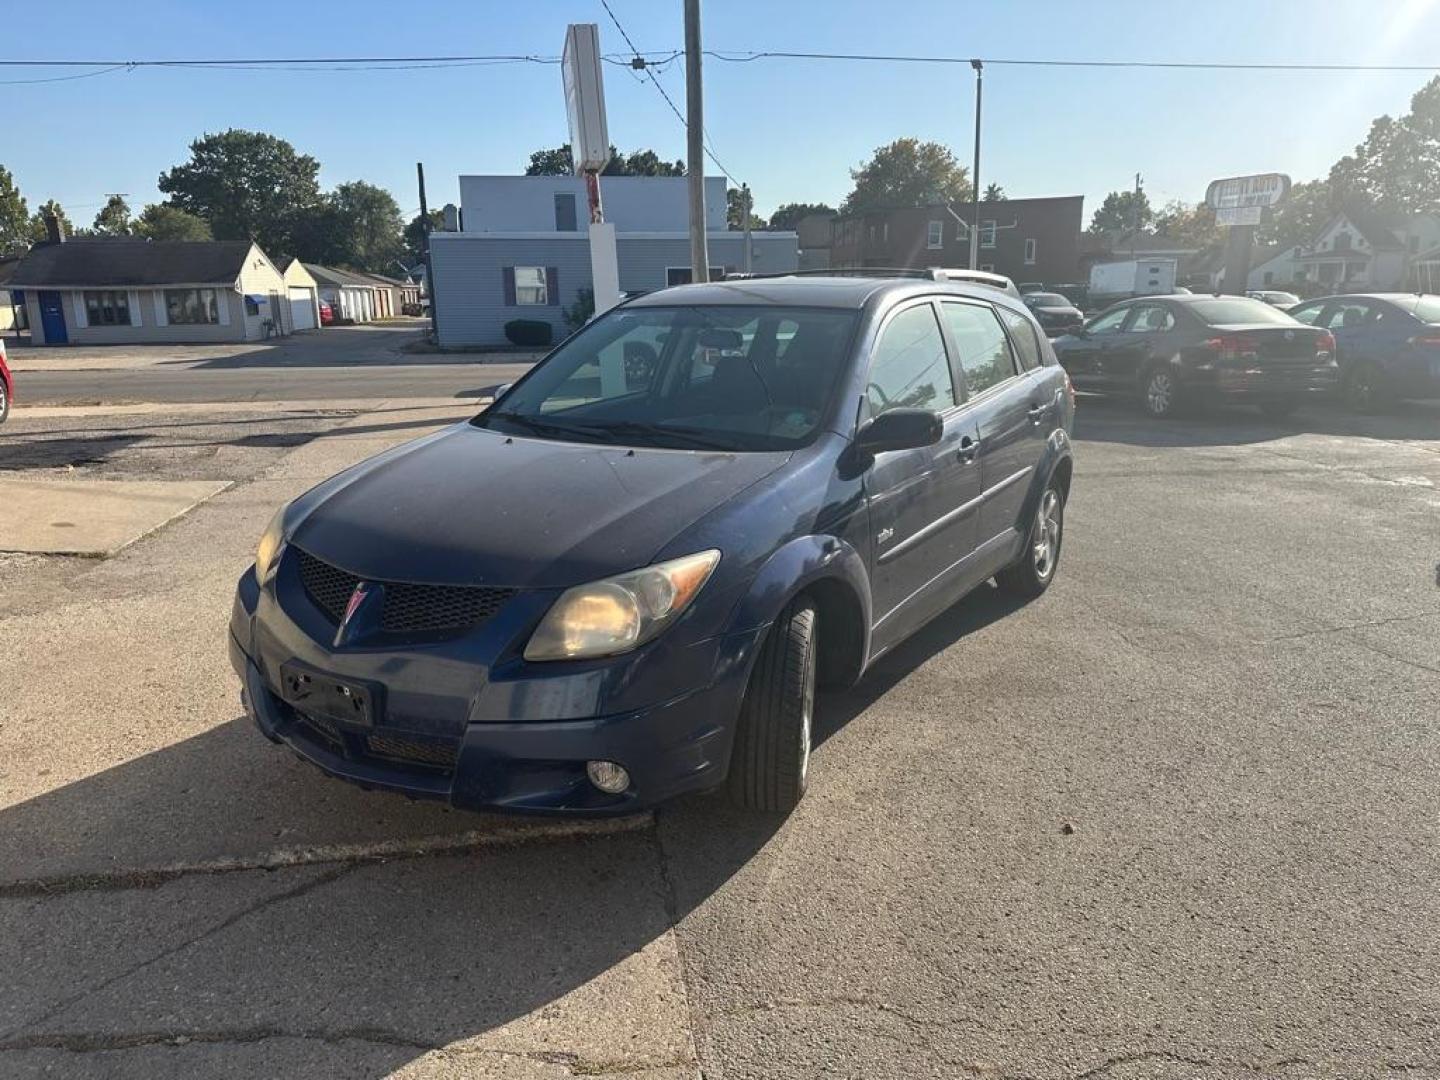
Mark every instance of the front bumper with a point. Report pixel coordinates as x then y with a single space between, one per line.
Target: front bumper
515 746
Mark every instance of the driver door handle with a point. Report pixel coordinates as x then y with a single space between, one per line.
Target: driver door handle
1035 412
968 449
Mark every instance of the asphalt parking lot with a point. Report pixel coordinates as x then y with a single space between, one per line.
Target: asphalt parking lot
1177 818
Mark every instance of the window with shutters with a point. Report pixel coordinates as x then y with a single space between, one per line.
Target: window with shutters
191 306
107 308
530 287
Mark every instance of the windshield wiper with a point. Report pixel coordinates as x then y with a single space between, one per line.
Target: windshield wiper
694 436
539 426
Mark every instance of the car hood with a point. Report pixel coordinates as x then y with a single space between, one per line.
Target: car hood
475 507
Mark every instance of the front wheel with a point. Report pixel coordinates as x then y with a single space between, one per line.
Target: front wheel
4 402
1031 574
770 762
1160 393
1364 388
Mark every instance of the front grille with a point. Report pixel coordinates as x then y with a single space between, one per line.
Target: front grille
412 751
407 607
324 731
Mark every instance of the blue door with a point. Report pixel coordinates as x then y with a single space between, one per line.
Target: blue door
52 318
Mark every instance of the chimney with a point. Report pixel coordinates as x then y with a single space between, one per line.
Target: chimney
54 229
453 220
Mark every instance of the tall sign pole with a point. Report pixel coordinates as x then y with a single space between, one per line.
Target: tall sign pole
590 151
1239 203
695 143
975 174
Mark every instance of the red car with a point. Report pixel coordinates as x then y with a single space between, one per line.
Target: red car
7 385
327 316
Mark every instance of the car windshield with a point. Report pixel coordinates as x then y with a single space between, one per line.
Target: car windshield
685 377
1224 311
1046 299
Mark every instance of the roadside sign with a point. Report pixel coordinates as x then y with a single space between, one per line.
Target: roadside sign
1264 189
585 98
1239 215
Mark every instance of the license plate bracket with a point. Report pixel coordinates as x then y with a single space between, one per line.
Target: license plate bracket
347 701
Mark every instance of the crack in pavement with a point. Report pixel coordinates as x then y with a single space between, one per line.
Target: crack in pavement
355 854
1349 626
671 903
317 882
87 1043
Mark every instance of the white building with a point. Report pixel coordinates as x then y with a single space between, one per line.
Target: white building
523 251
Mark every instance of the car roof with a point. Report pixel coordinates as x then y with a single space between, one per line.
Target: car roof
812 291
1392 297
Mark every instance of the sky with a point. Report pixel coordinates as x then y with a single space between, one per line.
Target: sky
791 129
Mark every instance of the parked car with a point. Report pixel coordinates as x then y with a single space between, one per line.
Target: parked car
1172 351
590 597
1388 344
327 314
7 385
1056 314
1275 298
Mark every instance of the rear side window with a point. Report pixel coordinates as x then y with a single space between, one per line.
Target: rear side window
1427 309
909 369
1307 314
1347 315
1022 333
984 350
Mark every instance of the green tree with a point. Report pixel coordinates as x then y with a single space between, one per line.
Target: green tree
993 193
51 208
1396 170
558 161
368 228
247 185
1117 213
786 217
14 216
159 221
113 218
1187 225
736 201
908 172
415 235
1303 214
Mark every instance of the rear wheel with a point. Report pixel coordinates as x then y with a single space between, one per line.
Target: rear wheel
4 402
1032 573
1364 387
1160 393
770 763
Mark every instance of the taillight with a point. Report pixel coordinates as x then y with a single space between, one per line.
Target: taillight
1325 342
1430 340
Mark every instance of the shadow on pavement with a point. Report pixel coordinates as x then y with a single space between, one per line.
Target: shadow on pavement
402 954
1117 419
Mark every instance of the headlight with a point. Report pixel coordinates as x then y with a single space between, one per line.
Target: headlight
617 614
270 542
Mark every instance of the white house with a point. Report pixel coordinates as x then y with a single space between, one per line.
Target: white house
1360 250
303 293
1275 268
110 292
524 250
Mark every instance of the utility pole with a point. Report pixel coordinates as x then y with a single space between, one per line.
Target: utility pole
1135 218
425 251
975 173
745 202
695 144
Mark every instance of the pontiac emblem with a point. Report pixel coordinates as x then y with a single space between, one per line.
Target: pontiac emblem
357 598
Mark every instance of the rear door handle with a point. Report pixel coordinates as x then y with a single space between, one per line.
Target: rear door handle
968 449
1035 412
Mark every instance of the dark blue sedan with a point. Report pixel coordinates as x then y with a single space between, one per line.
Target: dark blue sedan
1387 344
624 580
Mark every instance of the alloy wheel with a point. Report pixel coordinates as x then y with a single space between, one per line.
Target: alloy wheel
1046 544
1160 393
807 712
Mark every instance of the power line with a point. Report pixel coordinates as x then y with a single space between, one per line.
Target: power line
642 64
742 57
63 78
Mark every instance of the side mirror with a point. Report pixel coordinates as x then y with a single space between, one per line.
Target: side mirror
497 393
900 429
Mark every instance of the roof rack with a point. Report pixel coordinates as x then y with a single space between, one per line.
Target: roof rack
919 273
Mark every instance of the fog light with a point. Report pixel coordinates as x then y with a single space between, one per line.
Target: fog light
607 776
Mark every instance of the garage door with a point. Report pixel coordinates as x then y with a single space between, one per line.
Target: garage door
302 304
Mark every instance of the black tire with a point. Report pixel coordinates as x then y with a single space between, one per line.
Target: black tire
1030 575
1364 388
1160 392
769 765
4 402
1279 408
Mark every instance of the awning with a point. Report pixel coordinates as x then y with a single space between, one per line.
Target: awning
257 298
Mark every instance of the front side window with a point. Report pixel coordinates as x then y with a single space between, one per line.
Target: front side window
909 368
935 235
530 286
984 350
192 306
1022 333
1347 316
107 308
1151 319
722 377
1109 322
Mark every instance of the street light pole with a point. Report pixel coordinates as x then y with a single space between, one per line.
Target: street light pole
695 144
975 173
